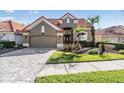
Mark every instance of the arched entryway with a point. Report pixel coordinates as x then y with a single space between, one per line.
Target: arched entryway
68 35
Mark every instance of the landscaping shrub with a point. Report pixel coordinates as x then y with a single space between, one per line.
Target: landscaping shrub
86 44
1 46
68 47
93 51
118 46
121 51
7 44
71 47
67 57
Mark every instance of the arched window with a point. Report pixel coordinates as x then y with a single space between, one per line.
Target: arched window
68 20
43 29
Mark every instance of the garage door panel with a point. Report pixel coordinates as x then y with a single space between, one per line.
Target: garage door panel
43 41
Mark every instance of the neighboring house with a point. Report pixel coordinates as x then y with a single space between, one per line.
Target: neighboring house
114 34
55 33
11 31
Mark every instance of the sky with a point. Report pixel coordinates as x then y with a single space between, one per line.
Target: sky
107 17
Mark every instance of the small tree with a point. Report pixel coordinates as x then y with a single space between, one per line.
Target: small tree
93 20
78 30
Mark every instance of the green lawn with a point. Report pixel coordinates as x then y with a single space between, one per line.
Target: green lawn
65 57
116 76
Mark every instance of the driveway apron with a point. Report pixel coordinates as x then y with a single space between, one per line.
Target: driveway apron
23 65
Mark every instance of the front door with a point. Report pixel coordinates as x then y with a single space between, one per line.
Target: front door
68 36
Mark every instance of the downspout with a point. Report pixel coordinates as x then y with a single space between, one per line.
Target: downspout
29 39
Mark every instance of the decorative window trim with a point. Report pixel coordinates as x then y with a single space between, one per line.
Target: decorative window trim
68 20
42 29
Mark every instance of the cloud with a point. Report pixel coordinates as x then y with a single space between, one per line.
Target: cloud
9 11
7 18
33 12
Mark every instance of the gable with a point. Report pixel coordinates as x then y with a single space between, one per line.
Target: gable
42 19
58 24
68 16
48 30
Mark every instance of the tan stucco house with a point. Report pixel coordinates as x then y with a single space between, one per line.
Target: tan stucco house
114 34
55 33
11 31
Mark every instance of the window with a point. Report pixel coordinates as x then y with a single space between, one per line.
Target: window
42 29
83 37
68 20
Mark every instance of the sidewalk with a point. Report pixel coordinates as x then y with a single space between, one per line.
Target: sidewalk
68 68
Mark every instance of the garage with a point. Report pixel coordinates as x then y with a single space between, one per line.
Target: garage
42 34
43 41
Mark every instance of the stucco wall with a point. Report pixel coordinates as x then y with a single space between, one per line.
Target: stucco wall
65 24
37 30
9 36
46 40
18 39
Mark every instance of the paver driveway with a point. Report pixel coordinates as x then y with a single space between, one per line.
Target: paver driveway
23 65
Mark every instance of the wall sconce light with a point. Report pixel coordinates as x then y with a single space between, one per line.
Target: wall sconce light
59 36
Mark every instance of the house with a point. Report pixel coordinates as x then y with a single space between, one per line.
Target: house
55 33
11 31
114 34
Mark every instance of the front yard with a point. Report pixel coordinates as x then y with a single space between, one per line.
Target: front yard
67 57
116 76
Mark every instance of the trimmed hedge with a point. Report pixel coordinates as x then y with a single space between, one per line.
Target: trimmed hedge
121 51
7 44
118 46
86 44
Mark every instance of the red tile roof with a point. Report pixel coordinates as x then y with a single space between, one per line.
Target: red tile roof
56 22
114 30
81 22
84 23
11 26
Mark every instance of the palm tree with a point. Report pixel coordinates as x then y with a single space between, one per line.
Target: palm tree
93 20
